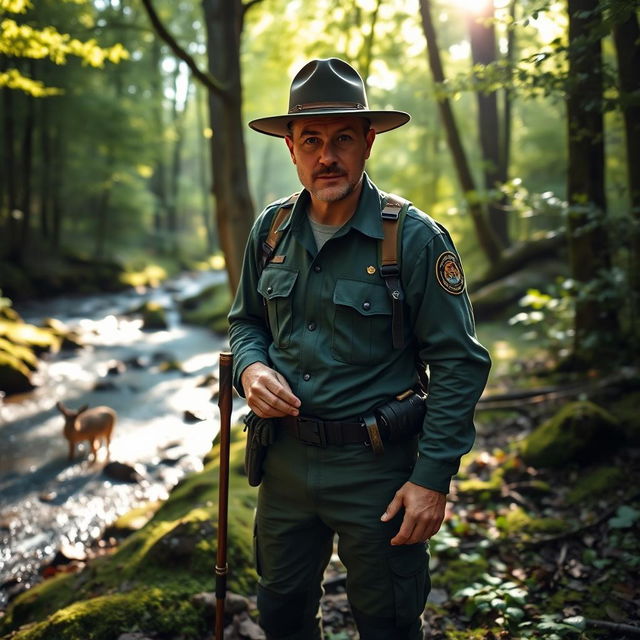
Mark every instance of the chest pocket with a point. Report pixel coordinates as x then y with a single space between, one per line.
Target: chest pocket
276 287
362 322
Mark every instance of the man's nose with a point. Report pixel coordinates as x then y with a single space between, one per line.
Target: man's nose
328 154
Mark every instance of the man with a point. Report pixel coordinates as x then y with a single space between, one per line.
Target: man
312 338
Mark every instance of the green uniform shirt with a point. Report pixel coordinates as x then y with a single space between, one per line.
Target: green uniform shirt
329 326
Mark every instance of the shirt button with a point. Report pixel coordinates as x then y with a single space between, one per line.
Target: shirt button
311 326
317 268
269 289
366 305
306 377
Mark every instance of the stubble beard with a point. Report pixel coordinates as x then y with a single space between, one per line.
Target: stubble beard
331 193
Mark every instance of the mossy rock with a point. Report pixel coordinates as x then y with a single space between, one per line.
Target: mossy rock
627 412
17 363
596 484
69 339
579 431
23 333
154 316
518 521
209 308
148 583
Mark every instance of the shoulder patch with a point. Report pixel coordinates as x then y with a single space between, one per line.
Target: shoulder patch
449 273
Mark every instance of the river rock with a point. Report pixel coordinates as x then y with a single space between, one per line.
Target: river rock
191 417
124 472
234 603
244 628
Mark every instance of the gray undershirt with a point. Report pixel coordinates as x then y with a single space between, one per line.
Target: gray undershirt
322 232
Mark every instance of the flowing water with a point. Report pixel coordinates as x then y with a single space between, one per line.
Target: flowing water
48 503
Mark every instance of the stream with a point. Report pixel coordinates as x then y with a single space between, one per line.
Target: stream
48 504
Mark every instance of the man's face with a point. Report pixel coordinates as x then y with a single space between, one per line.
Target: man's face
329 154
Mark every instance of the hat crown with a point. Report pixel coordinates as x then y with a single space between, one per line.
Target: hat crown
325 81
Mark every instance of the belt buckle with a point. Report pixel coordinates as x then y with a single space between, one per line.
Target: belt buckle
312 432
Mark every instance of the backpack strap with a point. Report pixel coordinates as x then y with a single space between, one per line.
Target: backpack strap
393 214
273 237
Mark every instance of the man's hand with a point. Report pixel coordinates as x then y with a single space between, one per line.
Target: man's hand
423 513
268 393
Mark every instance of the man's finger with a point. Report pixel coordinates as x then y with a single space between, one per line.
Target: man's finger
406 531
392 509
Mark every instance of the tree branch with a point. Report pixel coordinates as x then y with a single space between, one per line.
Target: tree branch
204 77
247 5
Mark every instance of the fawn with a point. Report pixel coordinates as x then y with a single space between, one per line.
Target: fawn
92 425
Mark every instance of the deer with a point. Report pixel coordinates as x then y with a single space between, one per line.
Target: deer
87 424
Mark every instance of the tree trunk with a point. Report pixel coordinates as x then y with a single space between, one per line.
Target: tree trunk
205 187
589 257
486 237
157 182
483 52
173 225
45 171
27 157
57 182
626 36
9 157
234 208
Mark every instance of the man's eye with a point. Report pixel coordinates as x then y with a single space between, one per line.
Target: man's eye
344 138
310 140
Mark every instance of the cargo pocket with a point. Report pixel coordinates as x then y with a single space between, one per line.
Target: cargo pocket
276 286
411 582
362 322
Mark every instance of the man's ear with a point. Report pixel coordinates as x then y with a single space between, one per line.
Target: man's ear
289 141
370 137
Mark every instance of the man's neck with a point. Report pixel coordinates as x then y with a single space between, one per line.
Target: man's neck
335 213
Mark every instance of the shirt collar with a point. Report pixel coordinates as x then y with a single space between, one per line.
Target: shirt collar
366 219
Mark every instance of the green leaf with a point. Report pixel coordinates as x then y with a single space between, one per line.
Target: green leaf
579 622
625 517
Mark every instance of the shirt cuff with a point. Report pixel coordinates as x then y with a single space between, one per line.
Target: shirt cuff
433 474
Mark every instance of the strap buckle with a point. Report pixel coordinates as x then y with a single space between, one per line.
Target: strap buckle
312 432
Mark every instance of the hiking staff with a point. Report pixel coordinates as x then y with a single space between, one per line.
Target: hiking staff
225 406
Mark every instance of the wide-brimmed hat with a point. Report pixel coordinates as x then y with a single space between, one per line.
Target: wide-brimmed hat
328 87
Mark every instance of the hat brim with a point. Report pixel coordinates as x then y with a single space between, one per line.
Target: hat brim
381 121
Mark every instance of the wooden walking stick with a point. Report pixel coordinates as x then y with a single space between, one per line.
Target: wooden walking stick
225 405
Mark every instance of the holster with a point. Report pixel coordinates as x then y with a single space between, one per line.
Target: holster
260 434
402 417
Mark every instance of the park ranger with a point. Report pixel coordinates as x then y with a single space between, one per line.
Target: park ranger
344 289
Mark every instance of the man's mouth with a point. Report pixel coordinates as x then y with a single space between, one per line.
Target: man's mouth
326 175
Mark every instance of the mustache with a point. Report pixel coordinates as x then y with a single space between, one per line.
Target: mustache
333 169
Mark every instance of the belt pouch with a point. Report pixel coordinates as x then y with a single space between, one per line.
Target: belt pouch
402 418
259 436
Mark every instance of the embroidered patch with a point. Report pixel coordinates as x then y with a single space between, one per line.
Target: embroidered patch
449 273
371 270
278 259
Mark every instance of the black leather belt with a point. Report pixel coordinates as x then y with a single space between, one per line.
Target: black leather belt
320 433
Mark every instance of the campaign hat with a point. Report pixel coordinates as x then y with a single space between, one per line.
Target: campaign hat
328 87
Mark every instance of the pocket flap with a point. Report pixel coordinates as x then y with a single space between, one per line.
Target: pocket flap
277 283
365 298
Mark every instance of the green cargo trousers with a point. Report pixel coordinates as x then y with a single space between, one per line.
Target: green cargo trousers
309 493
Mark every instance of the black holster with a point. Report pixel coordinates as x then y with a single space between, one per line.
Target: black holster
260 434
402 417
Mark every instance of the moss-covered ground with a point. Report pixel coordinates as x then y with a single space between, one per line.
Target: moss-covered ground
148 583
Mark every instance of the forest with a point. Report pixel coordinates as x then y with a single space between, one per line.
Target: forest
129 182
